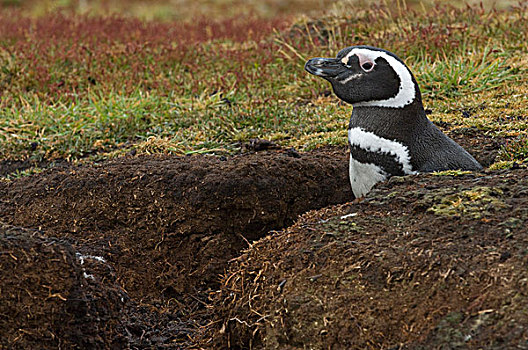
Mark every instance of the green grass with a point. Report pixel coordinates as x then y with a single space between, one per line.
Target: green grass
516 149
107 122
474 73
110 85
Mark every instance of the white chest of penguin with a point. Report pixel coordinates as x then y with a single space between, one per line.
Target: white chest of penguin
364 175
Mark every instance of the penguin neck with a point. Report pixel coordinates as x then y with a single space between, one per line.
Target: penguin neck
390 123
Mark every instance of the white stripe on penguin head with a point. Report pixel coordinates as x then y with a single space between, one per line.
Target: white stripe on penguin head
407 90
349 78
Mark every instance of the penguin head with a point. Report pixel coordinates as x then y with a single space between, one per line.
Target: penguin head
367 76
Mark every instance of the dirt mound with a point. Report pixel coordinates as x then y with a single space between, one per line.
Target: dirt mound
169 224
428 262
142 242
52 297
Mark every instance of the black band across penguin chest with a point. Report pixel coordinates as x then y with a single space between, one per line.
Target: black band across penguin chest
386 161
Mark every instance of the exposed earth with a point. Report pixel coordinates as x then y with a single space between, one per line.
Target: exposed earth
210 252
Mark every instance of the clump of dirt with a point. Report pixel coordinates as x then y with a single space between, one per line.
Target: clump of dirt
169 224
484 148
52 297
390 272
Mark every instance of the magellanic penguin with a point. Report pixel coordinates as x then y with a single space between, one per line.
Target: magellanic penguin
389 132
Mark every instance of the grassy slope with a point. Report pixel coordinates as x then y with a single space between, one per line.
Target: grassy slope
80 86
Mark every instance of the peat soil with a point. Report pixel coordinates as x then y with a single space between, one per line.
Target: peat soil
193 252
425 262
161 228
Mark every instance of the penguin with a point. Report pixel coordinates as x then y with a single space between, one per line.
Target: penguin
389 133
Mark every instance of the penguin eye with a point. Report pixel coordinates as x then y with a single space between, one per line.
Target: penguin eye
367 66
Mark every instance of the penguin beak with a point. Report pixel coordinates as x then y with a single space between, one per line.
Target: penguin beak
324 67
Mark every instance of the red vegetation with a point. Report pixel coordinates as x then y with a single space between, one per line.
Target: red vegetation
59 56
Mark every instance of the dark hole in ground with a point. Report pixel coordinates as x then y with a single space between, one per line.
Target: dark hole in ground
168 225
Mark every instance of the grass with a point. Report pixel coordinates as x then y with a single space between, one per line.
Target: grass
474 73
77 87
